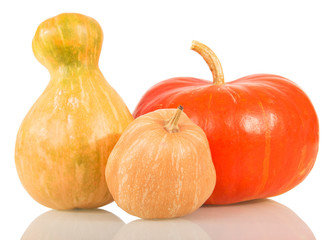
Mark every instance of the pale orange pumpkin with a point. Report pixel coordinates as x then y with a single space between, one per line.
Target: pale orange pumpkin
161 167
65 139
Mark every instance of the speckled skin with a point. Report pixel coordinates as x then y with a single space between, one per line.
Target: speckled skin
154 173
65 139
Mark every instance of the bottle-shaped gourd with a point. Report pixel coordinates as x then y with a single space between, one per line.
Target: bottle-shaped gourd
65 139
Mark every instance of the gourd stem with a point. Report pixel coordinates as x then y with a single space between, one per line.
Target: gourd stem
172 125
212 61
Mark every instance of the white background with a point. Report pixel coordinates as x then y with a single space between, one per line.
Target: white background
148 41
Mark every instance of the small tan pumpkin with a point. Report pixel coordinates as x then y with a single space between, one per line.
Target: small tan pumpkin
161 167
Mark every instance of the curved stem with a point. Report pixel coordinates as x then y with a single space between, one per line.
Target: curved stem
212 61
172 125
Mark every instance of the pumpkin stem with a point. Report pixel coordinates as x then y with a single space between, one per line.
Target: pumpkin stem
172 125
212 61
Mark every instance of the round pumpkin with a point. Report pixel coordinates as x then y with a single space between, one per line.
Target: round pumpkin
262 129
64 141
161 166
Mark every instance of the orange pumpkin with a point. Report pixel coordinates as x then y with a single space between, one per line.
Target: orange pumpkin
65 139
161 167
262 129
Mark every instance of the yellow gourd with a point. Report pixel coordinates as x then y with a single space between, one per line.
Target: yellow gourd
161 166
65 139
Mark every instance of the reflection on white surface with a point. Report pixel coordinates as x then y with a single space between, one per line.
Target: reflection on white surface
260 219
253 220
169 229
74 225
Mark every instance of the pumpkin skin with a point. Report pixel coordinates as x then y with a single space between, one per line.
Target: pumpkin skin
262 129
65 139
158 172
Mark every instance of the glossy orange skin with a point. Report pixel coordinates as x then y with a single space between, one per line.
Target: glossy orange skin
262 129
